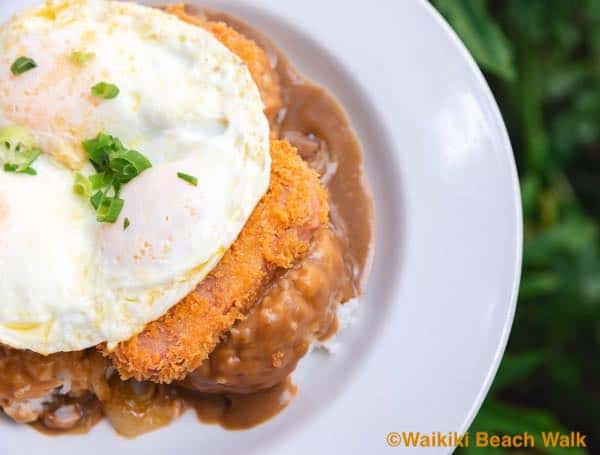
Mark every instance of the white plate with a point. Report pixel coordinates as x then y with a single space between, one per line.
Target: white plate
440 301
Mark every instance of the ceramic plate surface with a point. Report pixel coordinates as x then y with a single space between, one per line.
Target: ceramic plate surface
437 311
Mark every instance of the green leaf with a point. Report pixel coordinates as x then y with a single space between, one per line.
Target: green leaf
572 237
530 193
22 65
564 371
530 94
564 81
517 368
536 284
105 90
481 34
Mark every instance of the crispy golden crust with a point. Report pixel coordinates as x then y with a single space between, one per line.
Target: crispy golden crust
277 234
252 55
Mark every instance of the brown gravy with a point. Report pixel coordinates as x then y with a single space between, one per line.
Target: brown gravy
90 411
246 379
240 411
313 121
300 307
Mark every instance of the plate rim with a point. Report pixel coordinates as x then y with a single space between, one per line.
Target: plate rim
518 266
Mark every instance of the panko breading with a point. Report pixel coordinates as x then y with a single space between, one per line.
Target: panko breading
276 236
253 56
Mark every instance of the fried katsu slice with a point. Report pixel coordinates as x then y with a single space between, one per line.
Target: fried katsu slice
277 235
255 58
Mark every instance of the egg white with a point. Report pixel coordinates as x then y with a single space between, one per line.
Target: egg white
187 103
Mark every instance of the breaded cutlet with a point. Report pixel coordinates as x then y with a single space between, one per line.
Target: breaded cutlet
276 236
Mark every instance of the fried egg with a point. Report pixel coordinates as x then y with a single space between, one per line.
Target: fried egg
185 102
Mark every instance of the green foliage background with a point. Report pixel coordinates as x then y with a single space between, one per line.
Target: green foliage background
542 60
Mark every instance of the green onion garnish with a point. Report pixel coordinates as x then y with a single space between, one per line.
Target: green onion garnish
9 167
12 136
28 156
19 169
126 224
105 90
115 166
96 199
109 156
188 178
100 180
82 186
22 65
109 209
18 152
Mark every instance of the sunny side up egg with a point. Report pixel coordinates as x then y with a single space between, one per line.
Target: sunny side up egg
184 102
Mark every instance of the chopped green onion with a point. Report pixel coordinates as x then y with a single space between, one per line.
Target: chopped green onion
9 167
18 152
28 156
12 136
81 57
105 90
115 166
188 178
22 65
82 186
100 180
109 209
108 155
126 224
100 149
96 199
128 164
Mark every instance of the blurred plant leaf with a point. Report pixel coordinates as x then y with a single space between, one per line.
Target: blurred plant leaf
571 237
537 284
516 368
564 81
565 372
481 35
531 186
